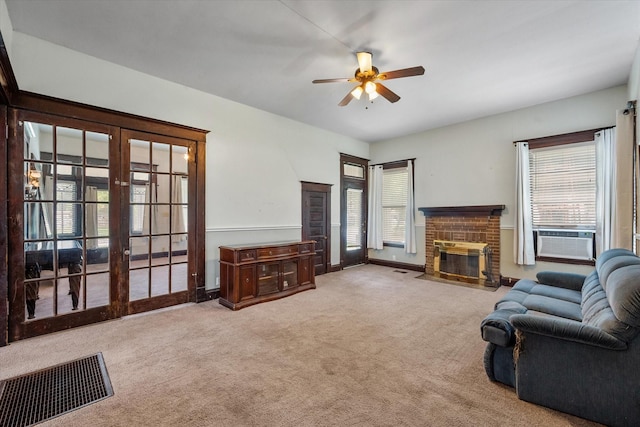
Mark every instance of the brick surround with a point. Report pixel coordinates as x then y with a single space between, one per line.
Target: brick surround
464 224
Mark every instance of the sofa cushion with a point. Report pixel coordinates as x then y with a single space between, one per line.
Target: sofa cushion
611 265
554 306
623 293
559 293
611 253
514 298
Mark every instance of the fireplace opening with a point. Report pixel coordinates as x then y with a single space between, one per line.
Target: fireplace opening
463 261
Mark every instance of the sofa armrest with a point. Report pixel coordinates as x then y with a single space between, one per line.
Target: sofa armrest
566 329
561 280
497 329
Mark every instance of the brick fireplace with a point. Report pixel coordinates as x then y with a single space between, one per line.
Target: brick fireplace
458 224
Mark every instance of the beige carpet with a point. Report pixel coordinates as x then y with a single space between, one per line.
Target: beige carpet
368 347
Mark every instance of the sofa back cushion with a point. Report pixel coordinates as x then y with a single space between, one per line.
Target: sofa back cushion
623 293
611 294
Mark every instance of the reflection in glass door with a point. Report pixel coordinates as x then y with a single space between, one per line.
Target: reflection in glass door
158 206
66 220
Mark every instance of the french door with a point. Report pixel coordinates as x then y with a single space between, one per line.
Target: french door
100 222
157 178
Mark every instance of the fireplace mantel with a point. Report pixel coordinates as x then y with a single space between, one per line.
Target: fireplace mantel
483 210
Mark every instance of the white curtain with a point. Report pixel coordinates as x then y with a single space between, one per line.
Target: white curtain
410 220
605 188
150 219
622 234
177 215
374 224
91 212
523 253
47 208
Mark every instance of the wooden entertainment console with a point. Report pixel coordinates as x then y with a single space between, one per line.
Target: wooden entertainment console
259 273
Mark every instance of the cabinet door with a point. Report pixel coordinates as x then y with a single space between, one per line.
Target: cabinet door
305 270
268 278
289 274
247 285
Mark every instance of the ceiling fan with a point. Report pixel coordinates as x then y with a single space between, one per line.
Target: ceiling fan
367 76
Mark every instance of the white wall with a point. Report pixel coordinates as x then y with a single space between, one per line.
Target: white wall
255 159
473 163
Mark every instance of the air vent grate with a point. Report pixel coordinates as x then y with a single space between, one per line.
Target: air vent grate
32 398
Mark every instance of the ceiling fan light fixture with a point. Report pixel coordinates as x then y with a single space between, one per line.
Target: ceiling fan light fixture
370 87
364 61
357 92
373 95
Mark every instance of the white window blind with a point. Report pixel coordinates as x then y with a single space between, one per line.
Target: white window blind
138 195
394 204
66 212
354 219
563 186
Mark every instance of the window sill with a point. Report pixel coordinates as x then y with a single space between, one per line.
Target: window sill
393 245
566 261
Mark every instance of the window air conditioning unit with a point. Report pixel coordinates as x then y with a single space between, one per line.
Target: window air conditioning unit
569 244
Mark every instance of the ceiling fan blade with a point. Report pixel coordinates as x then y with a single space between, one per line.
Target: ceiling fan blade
332 80
365 61
347 99
387 93
405 72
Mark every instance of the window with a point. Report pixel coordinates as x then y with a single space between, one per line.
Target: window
103 217
138 195
66 219
563 186
394 205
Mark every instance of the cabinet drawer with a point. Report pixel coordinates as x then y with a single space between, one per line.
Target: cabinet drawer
305 248
248 255
277 251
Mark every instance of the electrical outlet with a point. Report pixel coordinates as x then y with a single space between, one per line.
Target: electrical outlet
393 257
218 280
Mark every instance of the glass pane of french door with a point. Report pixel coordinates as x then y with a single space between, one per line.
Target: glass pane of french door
158 207
66 234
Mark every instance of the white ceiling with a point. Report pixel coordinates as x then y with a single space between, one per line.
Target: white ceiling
481 57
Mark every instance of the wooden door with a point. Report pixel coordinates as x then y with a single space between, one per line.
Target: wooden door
316 223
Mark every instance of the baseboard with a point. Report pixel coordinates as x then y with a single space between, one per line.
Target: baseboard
334 268
203 295
395 264
508 281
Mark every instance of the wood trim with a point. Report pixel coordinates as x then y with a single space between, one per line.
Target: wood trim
395 264
488 210
4 282
566 260
563 139
508 281
199 241
8 83
315 186
320 188
210 294
55 106
335 268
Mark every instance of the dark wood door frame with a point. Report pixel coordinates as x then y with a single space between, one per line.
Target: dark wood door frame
346 181
311 187
4 288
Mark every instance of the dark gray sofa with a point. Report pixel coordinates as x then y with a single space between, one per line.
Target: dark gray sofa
570 342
